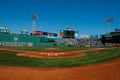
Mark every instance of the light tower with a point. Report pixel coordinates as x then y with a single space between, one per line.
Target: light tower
108 20
34 18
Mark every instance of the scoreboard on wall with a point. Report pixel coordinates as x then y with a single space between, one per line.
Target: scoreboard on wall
67 33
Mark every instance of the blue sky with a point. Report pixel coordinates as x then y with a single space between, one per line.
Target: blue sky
85 16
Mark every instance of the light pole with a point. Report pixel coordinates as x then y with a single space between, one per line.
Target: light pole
108 20
34 18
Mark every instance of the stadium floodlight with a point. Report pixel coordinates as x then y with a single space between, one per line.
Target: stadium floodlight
108 20
34 18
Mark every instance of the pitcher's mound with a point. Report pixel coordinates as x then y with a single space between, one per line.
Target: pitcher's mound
51 49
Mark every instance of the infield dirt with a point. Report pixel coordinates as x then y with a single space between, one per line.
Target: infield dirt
53 54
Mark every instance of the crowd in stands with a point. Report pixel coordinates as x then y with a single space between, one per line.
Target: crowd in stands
92 42
87 42
69 41
112 44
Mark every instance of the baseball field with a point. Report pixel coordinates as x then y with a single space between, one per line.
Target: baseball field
59 63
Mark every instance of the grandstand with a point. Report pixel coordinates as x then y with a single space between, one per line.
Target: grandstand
112 38
90 42
69 39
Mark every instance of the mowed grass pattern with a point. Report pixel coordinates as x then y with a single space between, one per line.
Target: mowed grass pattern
45 49
9 58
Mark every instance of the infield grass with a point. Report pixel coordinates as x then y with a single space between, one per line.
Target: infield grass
45 49
9 58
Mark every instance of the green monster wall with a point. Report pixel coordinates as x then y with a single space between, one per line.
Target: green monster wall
24 40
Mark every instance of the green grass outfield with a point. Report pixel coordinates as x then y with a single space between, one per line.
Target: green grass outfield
44 49
9 58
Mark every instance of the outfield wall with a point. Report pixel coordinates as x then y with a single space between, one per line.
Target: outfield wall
24 40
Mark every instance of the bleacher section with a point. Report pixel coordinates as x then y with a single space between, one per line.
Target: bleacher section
67 41
91 42
111 39
88 42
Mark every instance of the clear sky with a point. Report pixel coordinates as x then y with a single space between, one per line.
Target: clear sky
85 16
